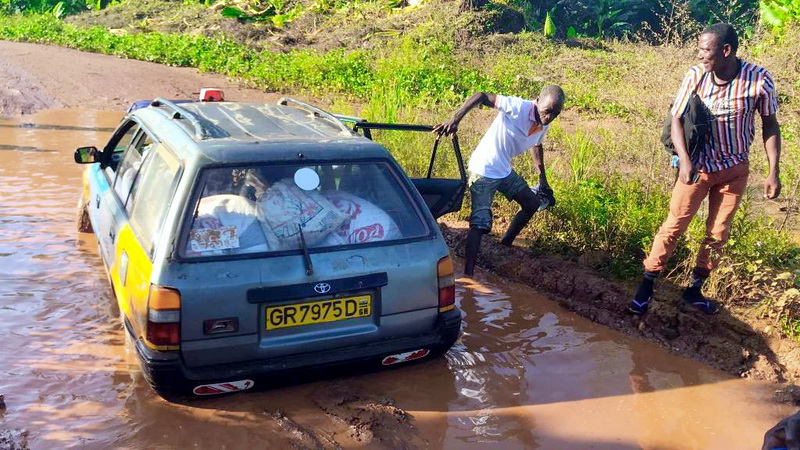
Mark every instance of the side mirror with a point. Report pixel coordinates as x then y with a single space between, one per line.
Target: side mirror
87 155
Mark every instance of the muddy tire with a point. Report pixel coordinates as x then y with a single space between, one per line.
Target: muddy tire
82 221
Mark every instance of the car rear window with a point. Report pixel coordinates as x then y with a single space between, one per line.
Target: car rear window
248 210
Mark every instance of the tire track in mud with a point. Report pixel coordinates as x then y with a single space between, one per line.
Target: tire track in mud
351 418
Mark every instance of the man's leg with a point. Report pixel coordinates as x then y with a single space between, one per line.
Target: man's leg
515 188
480 220
529 203
685 201
723 201
473 246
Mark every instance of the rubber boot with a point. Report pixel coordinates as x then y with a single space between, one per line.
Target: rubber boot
515 228
473 245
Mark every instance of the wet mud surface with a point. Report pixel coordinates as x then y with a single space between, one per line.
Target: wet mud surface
525 373
724 340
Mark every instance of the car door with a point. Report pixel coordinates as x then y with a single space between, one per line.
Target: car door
146 206
441 195
103 206
118 203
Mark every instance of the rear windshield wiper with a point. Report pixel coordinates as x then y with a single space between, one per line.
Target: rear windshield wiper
306 256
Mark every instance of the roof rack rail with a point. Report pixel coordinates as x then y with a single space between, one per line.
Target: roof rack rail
182 113
285 101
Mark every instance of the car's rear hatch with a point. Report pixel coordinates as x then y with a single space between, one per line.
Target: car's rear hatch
378 298
273 267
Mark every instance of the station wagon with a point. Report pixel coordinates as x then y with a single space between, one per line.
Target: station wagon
248 240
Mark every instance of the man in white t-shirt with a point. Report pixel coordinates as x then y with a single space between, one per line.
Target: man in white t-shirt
520 125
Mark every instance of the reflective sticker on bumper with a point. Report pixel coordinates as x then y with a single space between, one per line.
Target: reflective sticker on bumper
405 357
223 388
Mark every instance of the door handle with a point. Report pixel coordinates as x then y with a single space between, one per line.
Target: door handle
112 234
97 201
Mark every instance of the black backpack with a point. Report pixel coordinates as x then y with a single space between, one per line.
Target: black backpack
697 121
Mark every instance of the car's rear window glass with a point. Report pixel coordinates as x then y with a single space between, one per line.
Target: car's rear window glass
275 208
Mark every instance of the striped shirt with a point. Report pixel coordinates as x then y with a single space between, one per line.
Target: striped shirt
732 105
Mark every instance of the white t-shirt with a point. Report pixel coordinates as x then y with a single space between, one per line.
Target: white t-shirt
506 138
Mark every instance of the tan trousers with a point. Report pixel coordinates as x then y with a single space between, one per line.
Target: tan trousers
724 190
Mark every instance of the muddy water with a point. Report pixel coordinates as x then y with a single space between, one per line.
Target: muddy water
525 374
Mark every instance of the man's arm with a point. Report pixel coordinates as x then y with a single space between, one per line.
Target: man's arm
771 130
477 99
685 166
537 153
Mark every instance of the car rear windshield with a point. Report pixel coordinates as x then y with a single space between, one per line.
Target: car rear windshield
248 210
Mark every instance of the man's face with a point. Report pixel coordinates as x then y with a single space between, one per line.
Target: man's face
710 53
548 110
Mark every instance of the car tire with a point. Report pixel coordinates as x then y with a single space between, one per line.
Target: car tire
82 221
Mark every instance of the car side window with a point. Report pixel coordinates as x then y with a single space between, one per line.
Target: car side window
117 147
151 194
130 164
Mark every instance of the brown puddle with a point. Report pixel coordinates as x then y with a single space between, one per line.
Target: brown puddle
525 373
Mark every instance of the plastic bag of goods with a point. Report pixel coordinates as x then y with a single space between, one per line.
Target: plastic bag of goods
367 222
226 224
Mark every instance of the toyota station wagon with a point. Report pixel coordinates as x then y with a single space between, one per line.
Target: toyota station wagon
244 241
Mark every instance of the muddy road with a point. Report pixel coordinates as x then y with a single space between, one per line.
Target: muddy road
524 374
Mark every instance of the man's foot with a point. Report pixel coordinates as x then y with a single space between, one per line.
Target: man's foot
699 301
643 295
639 307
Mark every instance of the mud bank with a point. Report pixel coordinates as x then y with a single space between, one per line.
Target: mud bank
354 419
725 341
13 439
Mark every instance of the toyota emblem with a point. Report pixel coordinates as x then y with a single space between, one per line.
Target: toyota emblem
322 288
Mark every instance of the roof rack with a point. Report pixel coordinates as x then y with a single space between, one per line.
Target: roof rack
182 113
285 101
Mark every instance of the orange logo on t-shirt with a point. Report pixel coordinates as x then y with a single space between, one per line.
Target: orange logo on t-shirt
535 127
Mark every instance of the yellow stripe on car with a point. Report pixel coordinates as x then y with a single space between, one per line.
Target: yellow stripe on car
132 263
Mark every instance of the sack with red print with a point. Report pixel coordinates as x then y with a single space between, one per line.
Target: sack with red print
284 208
368 223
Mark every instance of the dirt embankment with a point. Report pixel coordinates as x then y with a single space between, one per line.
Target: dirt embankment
724 341
34 77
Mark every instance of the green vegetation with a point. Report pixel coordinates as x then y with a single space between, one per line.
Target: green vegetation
607 168
776 13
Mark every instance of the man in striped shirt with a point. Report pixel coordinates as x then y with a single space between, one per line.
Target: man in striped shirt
733 91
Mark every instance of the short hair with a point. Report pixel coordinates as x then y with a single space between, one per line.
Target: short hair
724 34
553 92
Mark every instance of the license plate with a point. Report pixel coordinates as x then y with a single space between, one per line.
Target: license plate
322 311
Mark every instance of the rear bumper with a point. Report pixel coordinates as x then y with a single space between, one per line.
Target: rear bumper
167 374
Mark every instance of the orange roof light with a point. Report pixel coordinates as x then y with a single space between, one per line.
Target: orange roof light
212 95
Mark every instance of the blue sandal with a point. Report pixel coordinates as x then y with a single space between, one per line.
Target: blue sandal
639 308
695 298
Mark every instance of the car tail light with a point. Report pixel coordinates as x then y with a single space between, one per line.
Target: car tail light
447 284
164 318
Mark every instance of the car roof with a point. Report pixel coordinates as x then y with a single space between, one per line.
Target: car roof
242 132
